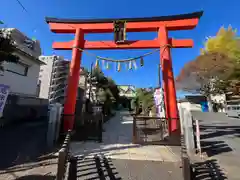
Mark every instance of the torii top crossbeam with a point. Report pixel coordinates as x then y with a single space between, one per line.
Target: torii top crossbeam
175 22
161 24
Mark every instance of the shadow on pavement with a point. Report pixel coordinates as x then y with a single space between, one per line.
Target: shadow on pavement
214 138
219 130
208 170
93 168
212 148
36 177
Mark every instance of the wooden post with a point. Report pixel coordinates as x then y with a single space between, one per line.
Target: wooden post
99 125
186 167
134 140
61 164
162 129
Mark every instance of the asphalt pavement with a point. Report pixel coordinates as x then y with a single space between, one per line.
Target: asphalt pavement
220 141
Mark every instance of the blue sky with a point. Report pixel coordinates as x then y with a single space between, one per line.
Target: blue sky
216 14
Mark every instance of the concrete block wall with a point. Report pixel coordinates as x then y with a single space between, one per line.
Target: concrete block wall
21 109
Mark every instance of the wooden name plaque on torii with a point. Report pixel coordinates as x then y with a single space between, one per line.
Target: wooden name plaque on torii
119 31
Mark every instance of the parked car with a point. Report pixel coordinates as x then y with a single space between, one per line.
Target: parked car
233 110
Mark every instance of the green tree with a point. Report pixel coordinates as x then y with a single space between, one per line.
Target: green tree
212 71
113 89
225 42
145 99
107 90
99 75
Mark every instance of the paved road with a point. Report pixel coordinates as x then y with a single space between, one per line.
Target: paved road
220 140
118 158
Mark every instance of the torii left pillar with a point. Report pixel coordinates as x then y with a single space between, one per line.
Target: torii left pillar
70 103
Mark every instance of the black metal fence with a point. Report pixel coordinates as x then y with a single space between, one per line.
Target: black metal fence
88 126
150 130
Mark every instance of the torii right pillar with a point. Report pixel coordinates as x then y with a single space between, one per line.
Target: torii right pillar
170 98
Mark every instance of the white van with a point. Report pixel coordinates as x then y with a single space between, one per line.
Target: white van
233 110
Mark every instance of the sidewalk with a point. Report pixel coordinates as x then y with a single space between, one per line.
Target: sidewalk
130 160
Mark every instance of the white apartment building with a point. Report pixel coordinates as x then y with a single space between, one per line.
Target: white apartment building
22 77
53 78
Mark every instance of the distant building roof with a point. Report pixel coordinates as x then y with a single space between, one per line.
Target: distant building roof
196 98
24 44
127 90
126 87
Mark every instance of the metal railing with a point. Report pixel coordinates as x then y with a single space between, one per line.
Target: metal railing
190 130
190 142
63 159
196 135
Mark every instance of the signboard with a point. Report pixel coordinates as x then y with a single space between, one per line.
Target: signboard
119 31
4 91
158 97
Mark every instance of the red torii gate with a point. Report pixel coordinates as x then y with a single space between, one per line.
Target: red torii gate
161 24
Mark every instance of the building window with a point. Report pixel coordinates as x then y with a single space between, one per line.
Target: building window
17 68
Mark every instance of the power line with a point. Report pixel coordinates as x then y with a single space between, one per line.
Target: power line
36 26
23 7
